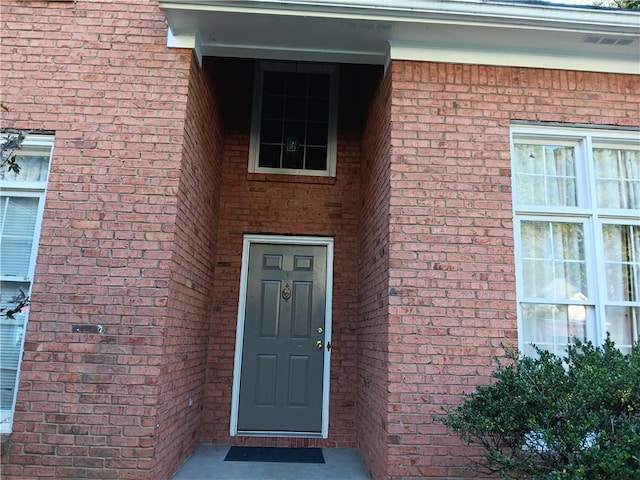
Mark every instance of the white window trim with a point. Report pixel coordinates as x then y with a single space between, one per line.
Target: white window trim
31 190
254 143
586 212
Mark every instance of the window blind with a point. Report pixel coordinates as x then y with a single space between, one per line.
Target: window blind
17 226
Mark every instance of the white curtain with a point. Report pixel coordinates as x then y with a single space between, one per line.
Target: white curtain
554 269
553 259
545 175
622 263
617 178
34 165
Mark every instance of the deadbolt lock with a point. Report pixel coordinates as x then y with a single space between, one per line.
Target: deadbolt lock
320 330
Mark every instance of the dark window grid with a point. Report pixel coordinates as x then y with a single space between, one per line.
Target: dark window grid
315 134
304 152
304 142
282 119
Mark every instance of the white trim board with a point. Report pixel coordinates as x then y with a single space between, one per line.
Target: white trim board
472 55
249 240
476 32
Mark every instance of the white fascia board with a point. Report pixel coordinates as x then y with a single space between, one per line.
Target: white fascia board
180 41
461 12
191 41
292 54
497 24
532 59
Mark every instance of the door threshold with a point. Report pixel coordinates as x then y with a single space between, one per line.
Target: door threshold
249 433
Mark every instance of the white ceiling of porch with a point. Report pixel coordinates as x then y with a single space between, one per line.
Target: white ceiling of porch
470 31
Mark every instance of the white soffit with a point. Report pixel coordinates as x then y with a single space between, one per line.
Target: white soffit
508 33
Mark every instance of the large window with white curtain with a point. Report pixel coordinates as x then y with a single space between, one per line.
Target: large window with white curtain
576 196
21 208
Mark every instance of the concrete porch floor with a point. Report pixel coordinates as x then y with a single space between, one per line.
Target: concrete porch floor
207 463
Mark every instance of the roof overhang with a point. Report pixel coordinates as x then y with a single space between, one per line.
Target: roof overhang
509 33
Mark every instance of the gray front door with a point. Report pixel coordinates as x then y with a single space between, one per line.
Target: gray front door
284 339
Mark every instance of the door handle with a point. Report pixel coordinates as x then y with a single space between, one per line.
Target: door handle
319 344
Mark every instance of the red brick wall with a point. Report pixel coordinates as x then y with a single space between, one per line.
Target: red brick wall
191 281
373 321
452 290
99 75
255 203
134 227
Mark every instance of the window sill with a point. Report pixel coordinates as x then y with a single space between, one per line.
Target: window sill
281 178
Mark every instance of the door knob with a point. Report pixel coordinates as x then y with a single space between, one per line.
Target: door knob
319 344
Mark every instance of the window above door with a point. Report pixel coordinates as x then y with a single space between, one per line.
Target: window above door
294 123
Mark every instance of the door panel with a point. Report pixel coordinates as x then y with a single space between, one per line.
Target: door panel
270 312
299 380
265 393
301 310
282 367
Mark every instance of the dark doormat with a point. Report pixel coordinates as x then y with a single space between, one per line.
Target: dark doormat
274 454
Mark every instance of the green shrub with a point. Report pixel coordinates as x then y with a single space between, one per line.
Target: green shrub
571 418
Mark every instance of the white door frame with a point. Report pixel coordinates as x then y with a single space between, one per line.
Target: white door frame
237 363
